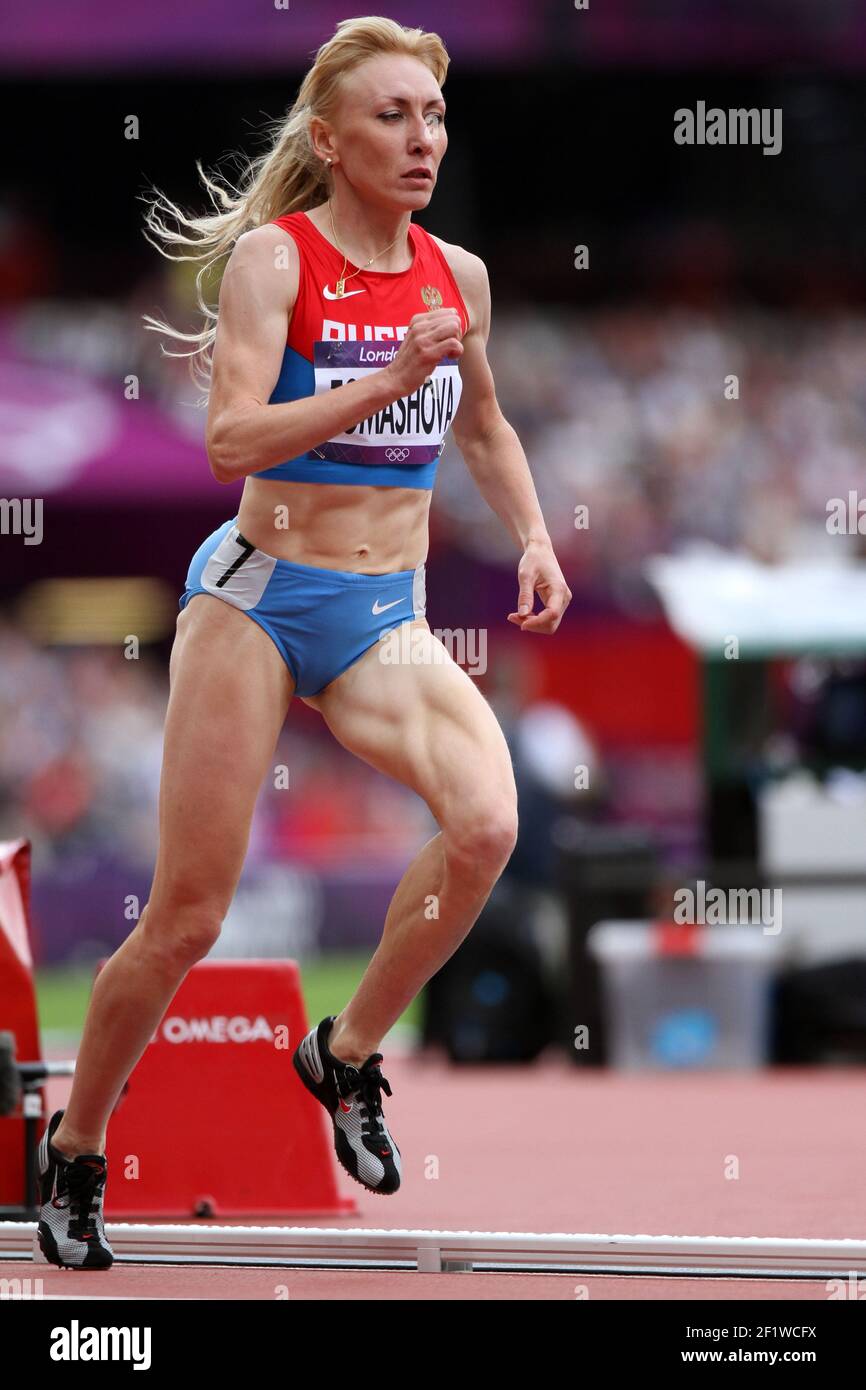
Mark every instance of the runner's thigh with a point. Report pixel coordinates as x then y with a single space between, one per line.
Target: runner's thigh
229 694
425 723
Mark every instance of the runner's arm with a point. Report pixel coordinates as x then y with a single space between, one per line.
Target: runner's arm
496 460
245 434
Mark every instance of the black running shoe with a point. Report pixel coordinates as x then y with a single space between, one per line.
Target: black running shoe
352 1097
70 1233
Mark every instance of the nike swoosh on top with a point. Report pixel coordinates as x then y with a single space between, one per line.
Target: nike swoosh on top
329 294
385 606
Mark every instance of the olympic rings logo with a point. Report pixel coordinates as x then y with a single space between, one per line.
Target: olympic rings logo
396 455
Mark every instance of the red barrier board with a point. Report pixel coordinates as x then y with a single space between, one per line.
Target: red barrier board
18 1012
214 1119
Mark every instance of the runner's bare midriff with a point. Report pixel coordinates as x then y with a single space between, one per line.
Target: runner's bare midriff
368 530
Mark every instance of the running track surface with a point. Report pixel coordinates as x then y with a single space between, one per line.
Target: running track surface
554 1147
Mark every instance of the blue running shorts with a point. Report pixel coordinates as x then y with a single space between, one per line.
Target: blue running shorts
321 621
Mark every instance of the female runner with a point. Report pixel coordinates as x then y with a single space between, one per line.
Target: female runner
347 341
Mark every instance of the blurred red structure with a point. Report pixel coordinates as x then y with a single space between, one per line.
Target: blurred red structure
17 1002
214 1120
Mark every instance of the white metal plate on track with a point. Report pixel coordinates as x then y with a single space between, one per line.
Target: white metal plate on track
432 1251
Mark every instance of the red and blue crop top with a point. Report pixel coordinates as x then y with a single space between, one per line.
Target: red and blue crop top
335 340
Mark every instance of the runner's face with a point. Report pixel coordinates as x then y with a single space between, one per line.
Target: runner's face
391 121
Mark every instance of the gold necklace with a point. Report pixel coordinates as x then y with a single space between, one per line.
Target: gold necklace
341 283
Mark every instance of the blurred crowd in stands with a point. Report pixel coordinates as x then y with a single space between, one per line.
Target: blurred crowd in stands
669 426
80 749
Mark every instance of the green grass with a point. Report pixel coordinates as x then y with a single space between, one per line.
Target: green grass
328 982
61 997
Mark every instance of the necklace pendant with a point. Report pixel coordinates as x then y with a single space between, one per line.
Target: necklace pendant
341 288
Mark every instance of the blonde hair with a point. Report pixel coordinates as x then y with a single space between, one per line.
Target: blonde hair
288 177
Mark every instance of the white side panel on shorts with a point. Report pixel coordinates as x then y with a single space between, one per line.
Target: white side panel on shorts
419 591
243 588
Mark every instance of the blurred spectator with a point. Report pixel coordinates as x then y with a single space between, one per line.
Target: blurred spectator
557 764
